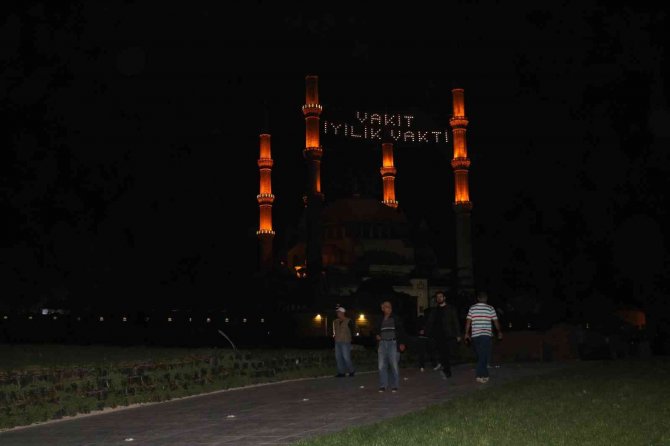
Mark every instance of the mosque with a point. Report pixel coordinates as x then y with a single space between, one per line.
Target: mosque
356 250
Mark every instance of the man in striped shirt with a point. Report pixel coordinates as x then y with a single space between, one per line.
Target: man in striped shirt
478 328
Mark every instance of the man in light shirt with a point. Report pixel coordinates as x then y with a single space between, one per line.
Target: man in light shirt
478 328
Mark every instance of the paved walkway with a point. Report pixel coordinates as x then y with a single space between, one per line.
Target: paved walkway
280 413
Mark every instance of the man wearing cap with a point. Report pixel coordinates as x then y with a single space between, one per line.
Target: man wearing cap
343 333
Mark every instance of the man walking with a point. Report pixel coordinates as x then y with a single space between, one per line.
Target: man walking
445 330
478 327
424 344
391 337
343 333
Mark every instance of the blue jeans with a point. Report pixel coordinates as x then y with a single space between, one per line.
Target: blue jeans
483 349
343 357
388 357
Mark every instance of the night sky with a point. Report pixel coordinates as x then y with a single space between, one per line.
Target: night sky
130 139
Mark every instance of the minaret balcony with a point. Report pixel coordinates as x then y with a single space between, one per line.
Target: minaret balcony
460 163
265 163
313 152
458 121
265 232
312 109
388 171
265 198
463 206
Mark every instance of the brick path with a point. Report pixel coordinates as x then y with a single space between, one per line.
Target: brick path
279 413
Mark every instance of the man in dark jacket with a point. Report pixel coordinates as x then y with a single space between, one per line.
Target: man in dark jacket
424 344
391 339
443 327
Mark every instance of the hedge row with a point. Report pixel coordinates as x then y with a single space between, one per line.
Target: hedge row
29 396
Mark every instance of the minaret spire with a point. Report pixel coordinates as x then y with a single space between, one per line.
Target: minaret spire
388 171
312 153
265 199
462 204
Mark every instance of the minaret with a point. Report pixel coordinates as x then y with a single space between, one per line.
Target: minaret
388 172
313 152
265 200
462 203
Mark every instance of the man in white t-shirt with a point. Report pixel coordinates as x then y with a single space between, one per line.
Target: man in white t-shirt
478 328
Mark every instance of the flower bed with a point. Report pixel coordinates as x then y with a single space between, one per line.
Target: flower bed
39 394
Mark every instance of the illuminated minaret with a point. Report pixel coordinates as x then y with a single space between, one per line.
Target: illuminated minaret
388 172
265 200
313 152
462 203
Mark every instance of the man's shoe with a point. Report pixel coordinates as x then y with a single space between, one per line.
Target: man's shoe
421 369
340 375
479 379
437 367
382 389
485 380
394 390
351 374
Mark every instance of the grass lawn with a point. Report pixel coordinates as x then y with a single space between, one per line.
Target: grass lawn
604 403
